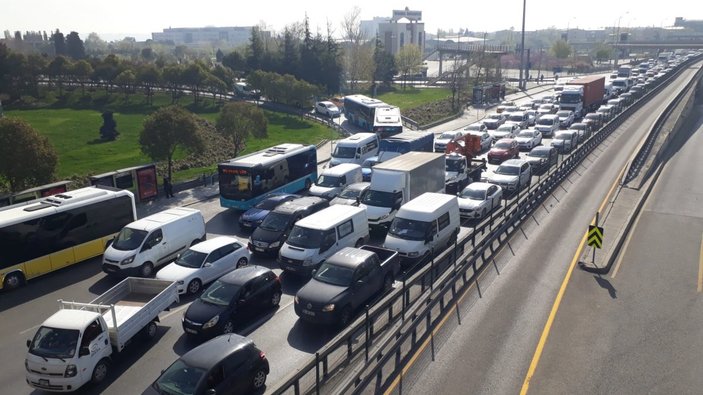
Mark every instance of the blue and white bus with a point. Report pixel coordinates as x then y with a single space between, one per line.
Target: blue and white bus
247 180
372 115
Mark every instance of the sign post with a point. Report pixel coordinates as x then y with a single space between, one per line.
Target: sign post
595 237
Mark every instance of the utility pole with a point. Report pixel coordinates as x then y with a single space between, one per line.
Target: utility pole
521 83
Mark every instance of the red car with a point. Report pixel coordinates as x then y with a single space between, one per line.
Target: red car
502 150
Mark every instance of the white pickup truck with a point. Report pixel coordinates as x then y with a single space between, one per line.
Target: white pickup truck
74 345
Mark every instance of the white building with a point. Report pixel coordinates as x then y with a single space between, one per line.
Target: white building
404 28
233 36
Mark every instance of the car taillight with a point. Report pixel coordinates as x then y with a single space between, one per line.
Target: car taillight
262 355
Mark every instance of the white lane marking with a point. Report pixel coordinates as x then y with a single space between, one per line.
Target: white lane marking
30 329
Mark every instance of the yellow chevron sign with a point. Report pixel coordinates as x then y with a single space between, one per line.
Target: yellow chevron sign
595 236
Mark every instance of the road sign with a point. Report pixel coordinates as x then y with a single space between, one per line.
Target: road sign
595 236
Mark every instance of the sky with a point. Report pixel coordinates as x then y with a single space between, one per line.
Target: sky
139 18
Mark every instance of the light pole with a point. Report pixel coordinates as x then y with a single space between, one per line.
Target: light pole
617 40
521 82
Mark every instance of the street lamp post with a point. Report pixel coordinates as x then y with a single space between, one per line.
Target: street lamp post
617 40
521 82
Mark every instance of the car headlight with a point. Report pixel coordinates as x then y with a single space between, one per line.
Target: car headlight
328 308
26 365
71 371
212 322
413 254
128 260
180 282
384 216
275 244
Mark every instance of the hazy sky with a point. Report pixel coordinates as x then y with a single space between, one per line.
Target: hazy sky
141 18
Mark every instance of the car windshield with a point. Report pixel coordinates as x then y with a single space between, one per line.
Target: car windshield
505 128
496 117
369 163
276 222
578 126
378 198
502 145
344 152
538 153
267 204
473 127
129 239
545 107
335 275
563 113
455 165
516 118
328 181
474 194
508 170
526 133
351 193
305 238
562 136
54 343
191 259
446 136
179 379
220 293
409 229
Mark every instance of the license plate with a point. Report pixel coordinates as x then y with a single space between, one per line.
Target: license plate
308 312
193 331
259 249
44 382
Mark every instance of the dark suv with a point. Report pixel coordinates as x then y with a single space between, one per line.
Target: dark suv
268 237
228 364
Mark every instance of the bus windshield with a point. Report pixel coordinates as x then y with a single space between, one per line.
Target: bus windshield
129 239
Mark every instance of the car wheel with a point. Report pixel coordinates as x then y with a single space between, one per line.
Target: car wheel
147 270
99 372
276 299
228 327
345 316
194 286
359 243
150 331
259 379
13 281
242 262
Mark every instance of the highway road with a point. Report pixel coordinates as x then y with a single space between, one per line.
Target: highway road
502 318
640 329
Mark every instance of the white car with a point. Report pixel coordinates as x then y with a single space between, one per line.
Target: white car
327 108
205 262
478 199
507 130
528 139
441 141
486 139
566 118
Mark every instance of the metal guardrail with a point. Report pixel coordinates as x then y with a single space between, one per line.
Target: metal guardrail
379 334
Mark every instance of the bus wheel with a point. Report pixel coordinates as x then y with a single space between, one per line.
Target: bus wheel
308 183
13 280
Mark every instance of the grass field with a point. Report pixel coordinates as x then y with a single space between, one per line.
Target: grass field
74 132
413 97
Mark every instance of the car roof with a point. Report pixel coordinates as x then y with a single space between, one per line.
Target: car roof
341 169
280 196
295 205
542 148
212 352
210 245
243 275
350 257
505 141
479 185
358 186
514 162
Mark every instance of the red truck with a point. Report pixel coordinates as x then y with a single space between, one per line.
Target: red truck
583 95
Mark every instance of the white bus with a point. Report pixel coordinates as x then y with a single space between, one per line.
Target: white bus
44 235
373 115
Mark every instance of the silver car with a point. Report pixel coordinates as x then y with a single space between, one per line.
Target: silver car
352 194
478 199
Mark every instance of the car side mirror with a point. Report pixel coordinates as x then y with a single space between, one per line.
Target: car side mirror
207 264
109 243
84 351
29 343
313 271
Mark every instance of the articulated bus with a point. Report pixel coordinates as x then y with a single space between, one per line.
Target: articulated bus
44 235
373 115
285 168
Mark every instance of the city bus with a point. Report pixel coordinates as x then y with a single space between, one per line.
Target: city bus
372 115
285 168
45 235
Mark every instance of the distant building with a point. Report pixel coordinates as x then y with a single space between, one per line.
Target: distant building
370 28
403 28
233 36
695 25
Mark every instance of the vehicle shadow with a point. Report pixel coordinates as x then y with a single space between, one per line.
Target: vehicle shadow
50 283
291 284
226 223
299 337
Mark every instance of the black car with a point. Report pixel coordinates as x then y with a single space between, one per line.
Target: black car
228 364
242 292
253 217
268 237
541 158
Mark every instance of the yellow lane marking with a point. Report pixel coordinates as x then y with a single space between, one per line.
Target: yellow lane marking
700 268
560 295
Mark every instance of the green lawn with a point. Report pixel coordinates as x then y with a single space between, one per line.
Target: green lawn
74 132
413 97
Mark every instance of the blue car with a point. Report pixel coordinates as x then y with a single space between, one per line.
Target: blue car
366 167
255 215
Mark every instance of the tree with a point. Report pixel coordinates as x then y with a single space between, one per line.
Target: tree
235 61
238 120
59 43
385 68
194 75
108 131
173 77
81 71
147 54
148 76
255 53
74 46
358 59
28 158
57 70
408 59
126 80
94 45
603 52
219 55
561 49
167 130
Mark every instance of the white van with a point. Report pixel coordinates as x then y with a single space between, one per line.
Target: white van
355 149
423 226
316 237
153 241
547 124
333 179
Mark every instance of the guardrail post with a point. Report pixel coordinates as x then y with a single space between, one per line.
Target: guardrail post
366 333
317 373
